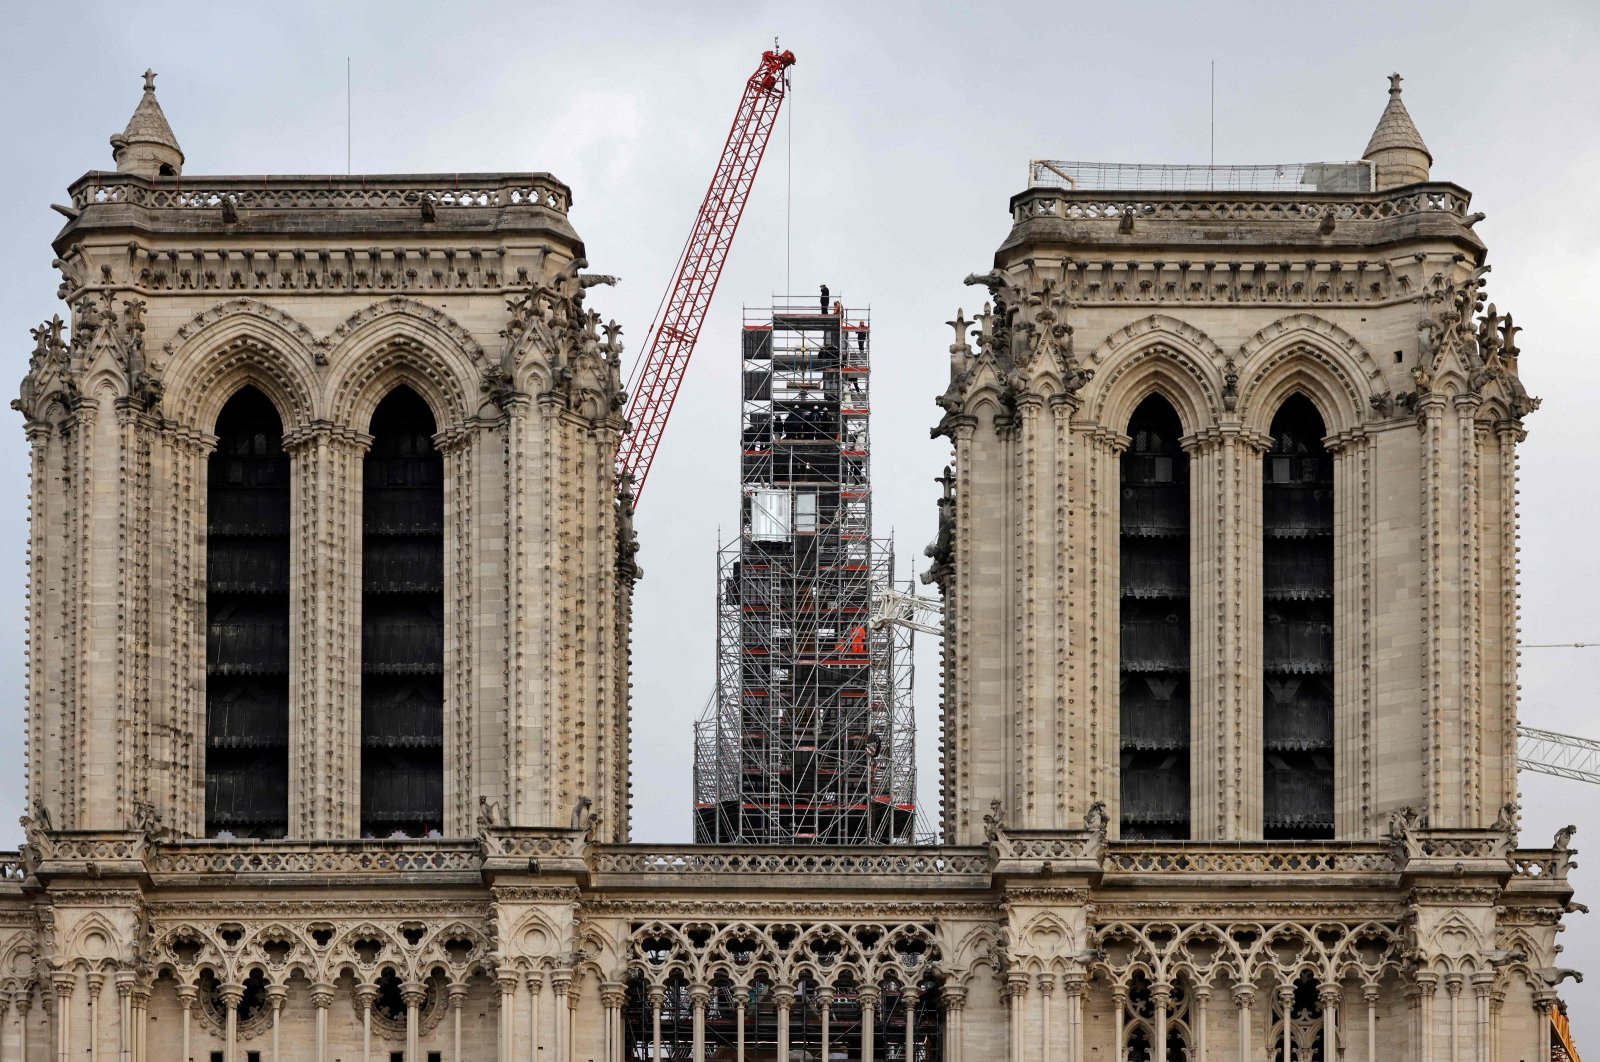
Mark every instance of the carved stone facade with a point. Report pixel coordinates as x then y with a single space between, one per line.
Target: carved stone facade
524 926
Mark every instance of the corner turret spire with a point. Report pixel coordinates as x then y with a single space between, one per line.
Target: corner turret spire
1396 148
147 147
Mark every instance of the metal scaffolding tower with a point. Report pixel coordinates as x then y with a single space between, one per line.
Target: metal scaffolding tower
810 737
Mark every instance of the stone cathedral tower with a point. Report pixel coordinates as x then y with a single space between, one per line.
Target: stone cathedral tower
329 612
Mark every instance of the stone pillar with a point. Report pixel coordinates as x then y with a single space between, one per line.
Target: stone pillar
1483 1043
124 985
1161 997
24 1003
321 998
1286 1007
1330 995
412 993
186 998
1427 989
1544 1002
1452 985
1202 999
824 1011
507 981
325 629
783 997
1369 996
1354 737
63 984
741 1003
1119 1010
96 982
908 1003
1046 984
277 996
612 995
232 995
535 979
457 997
365 995
868 997
141 1020
657 996
1072 987
953 998
570 1025
561 985
1017 999
1244 997
697 999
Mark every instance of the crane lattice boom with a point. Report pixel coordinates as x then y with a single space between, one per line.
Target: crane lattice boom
675 331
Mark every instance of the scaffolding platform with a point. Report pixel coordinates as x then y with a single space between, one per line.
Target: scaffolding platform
810 735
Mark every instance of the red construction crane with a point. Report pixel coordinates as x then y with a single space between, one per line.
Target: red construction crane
683 311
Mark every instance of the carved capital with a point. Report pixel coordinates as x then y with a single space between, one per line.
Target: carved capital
413 993
321 995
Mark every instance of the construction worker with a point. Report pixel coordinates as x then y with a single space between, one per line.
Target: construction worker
824 299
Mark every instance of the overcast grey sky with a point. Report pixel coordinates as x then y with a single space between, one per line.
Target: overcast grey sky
911 126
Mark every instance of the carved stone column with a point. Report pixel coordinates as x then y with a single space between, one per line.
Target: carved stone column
535 1033
1353 648
824 1011
1202 999
1119 1012
908 1003
1102 645
1046 984
507 981
63 985
1544 1001
1453 984
1427 990
1244 997
1330 995
232 996
783 998
953 998
123 980
96 981
321 999
277 996
365 995
1072 987
698 995
23 1003
457 998
325 630
657 996
1483 1044
612 996
412 994
561 985
1161 997
1286 1008
868 998
1369 996
186 998
741 1007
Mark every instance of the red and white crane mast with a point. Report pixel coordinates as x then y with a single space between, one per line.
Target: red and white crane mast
677 327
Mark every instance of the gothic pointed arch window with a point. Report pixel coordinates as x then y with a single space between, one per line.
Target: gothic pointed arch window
1297 612
402 622
247 622
1155 626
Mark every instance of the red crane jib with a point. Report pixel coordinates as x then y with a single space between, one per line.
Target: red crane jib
673 338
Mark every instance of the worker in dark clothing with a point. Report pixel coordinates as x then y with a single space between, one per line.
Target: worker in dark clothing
824 298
